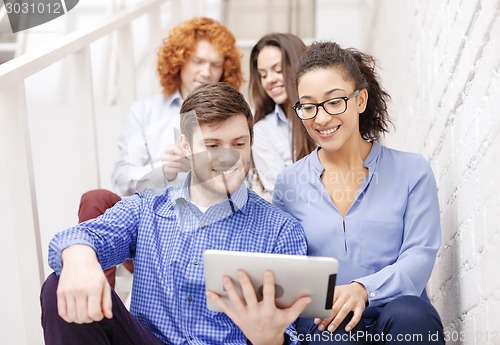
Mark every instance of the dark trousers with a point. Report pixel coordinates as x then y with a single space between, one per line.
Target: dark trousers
405 320
122 329
92 205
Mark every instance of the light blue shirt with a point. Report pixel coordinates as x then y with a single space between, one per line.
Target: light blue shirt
271 149
389 237
166 236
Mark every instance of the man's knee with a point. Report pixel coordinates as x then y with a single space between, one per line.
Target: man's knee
48 294
95 202
100 194
409 315
408 308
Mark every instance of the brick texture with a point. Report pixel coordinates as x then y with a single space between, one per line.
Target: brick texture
440 61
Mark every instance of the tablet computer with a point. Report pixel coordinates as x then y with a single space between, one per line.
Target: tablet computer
295 276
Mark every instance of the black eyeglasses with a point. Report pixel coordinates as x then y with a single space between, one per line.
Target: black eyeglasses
333 106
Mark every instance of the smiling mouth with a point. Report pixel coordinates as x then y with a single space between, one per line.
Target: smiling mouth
329 131
275 90
225 172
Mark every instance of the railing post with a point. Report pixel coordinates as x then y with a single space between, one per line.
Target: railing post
155 29
23 264
126 68
82 105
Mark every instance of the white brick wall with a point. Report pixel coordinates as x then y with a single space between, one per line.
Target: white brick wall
440 62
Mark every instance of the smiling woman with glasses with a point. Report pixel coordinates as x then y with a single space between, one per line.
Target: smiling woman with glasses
373 208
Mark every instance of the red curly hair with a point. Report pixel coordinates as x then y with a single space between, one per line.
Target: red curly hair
181 44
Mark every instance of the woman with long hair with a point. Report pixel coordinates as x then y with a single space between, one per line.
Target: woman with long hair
280 138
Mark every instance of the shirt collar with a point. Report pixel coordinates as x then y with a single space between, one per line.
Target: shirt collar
174 98
372 157
280 114
369 162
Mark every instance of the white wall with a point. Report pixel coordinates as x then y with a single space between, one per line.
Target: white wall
441 64
343 21
11 313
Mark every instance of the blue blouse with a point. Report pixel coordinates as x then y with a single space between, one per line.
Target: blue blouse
389 237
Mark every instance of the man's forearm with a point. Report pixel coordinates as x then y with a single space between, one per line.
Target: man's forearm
78 254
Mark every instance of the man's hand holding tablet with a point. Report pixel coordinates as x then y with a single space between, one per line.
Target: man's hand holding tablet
249 311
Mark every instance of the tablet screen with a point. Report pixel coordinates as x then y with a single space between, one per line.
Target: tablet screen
295 276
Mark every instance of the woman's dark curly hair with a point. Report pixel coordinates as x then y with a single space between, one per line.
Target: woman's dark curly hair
181 44
358 67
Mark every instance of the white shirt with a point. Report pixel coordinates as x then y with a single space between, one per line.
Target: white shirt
148 132
271 150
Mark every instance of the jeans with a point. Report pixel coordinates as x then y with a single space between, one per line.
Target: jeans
122 329
405 320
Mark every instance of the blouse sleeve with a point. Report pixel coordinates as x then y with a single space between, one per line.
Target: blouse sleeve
421 241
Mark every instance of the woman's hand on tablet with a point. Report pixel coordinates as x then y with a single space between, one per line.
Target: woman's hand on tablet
347 298
261 322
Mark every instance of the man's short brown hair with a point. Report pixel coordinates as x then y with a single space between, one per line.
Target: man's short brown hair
213 103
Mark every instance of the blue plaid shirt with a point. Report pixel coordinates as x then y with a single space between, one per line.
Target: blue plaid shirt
166 236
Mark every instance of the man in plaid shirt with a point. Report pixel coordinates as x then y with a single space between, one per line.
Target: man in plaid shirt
166 235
